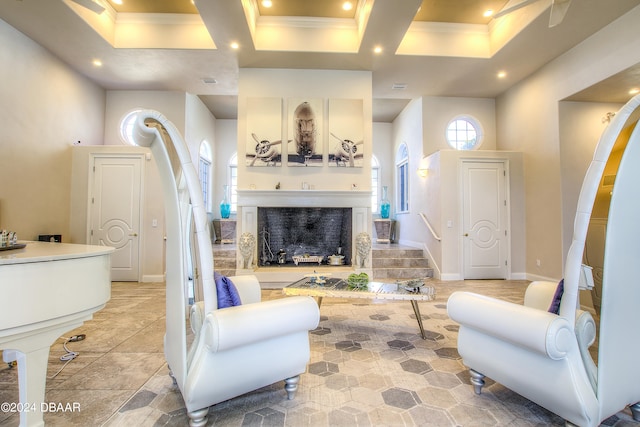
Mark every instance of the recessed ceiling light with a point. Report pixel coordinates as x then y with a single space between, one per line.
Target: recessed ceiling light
267 3
96 63
501 74
347 5
634 91
377 49
117 1
234 45
487 13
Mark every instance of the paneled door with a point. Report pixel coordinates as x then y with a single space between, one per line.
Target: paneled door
115 214
485 221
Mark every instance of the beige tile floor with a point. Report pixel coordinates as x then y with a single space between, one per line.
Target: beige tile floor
368 367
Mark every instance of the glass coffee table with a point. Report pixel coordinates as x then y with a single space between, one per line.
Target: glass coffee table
339 288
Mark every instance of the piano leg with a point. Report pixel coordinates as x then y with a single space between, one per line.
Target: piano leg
32 386
32 354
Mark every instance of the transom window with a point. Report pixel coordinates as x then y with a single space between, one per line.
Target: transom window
464 133
375 183
402 179
204 172
233 182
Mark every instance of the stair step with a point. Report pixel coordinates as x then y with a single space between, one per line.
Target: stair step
400 263
224 259
402 273
397 253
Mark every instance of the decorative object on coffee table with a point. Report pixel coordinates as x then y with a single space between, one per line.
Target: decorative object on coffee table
363 247
246 246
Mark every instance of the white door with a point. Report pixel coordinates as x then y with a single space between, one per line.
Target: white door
484 222
115 212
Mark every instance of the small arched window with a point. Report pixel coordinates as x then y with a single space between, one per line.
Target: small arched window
126 126
464 133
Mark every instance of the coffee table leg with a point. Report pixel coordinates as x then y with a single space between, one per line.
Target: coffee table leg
416 310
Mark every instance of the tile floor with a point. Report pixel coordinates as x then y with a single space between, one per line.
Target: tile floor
368 367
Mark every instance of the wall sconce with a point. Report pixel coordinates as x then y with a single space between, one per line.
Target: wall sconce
423 172
423 167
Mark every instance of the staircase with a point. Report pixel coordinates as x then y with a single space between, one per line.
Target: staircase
399 262
224 259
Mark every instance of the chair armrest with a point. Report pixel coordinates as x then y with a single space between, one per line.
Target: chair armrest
246 324
248 288
539 294
537 330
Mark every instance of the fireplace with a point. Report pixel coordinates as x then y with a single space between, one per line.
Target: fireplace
289 236
319 214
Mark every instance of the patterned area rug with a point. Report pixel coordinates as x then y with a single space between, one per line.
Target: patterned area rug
369 367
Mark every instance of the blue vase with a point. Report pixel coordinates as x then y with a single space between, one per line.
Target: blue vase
225 206
385 206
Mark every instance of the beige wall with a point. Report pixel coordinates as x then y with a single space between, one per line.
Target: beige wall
528 119
36 142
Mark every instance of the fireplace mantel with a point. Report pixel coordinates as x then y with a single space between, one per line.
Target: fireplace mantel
304 198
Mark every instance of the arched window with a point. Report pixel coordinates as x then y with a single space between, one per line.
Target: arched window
402 179
126 126
232 179
375 183
464 133
204 172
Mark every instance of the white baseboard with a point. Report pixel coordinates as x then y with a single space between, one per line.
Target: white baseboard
534 277
450 276
518 276
151 278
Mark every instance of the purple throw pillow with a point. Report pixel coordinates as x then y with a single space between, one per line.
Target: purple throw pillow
557 297
227 292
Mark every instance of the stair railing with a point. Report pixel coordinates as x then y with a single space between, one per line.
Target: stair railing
426 221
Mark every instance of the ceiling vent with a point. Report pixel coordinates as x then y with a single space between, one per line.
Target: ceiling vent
209 81
399 86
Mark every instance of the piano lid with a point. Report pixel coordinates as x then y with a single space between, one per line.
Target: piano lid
49 251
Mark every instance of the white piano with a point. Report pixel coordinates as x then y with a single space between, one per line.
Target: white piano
47 289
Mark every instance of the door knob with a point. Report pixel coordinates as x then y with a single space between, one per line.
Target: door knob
466 234
133 234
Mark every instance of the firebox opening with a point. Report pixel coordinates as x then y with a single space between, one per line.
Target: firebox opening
291 236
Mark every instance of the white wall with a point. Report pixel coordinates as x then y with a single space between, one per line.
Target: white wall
438 111
45 108
528 119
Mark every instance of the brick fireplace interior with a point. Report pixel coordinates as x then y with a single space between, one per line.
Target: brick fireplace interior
288 232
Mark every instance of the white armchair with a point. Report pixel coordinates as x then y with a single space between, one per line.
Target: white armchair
545 356
237 349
